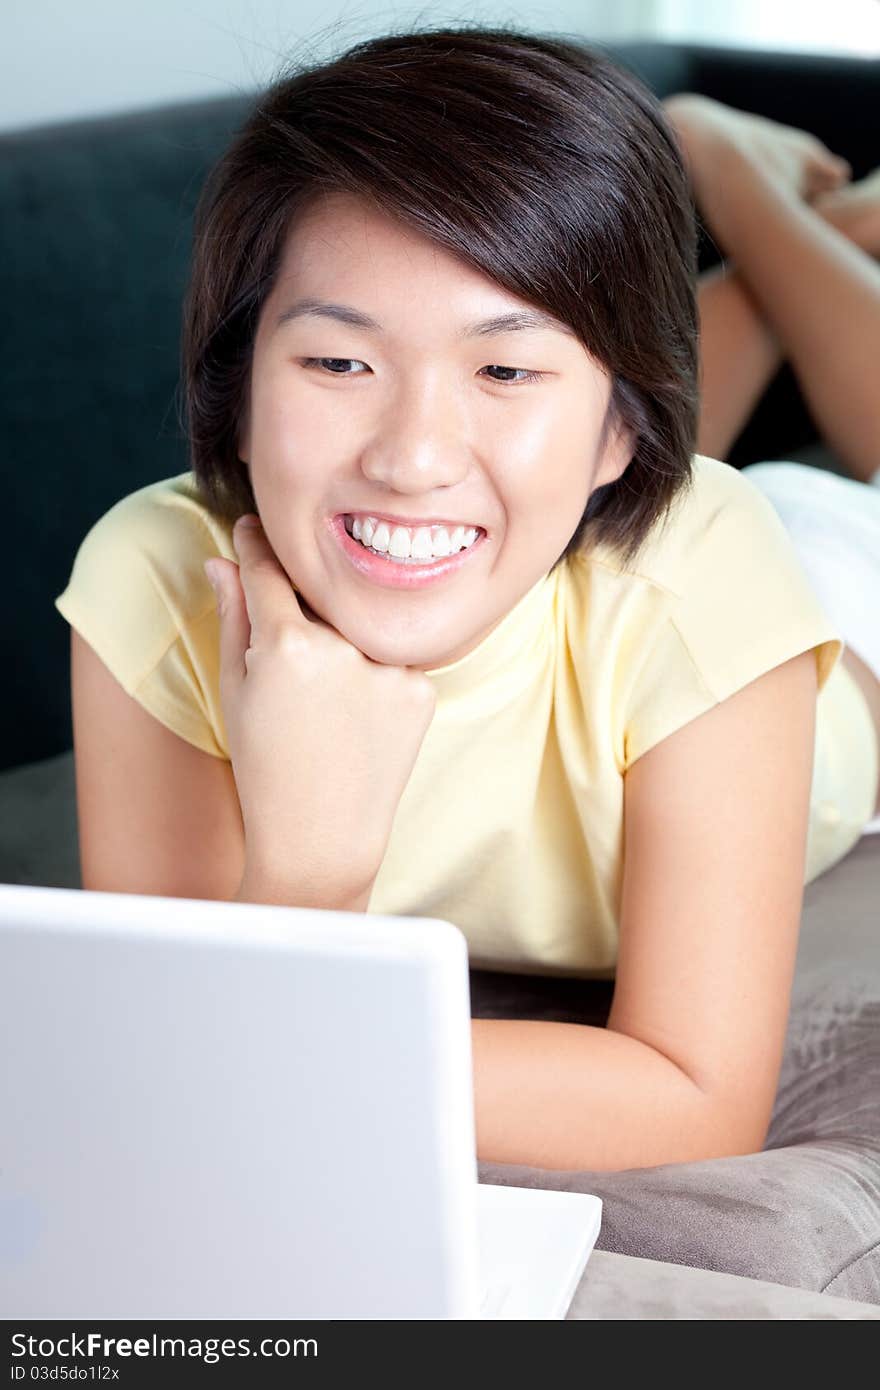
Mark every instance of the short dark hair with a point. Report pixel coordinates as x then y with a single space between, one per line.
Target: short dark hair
535 159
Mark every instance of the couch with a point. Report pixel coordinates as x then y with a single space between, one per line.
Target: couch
94 245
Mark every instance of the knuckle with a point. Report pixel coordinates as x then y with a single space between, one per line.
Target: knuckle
291 642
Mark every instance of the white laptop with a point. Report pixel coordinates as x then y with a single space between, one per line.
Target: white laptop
222 1110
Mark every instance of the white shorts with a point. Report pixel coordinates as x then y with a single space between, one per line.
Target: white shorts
834 523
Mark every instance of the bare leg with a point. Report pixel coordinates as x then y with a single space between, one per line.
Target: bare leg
780 244
739 356
739 351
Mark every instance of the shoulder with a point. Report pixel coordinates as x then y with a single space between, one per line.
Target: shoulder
716 597
138 594
716 522
732 582
159 518
145 553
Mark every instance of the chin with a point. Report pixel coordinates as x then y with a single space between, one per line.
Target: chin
402 654
384 657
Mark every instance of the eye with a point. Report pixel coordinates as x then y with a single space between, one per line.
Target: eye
335 363
524 375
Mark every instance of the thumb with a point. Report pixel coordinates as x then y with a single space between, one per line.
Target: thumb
235 627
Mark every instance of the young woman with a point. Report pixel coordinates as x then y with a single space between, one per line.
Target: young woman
501 648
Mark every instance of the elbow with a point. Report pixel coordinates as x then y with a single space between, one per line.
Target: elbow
726 1129
720 1121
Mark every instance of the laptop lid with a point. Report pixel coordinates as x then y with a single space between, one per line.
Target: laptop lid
226 1110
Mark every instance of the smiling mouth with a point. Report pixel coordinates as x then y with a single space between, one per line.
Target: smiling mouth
472 533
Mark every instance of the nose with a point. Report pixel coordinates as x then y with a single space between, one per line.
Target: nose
419 444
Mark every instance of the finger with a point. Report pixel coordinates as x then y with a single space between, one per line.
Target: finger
232 614
268 590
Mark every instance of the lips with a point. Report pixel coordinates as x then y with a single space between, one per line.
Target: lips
411 523
383 571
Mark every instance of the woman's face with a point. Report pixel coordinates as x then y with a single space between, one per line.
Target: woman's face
420 418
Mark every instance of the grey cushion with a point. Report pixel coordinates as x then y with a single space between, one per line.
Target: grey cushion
623 1287
804 1213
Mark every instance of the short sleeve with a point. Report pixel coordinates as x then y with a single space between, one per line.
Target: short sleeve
138 595
743 605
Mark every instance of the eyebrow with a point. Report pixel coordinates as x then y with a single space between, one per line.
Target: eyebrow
517 321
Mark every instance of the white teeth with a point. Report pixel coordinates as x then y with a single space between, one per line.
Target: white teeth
421 546
399 544
424 543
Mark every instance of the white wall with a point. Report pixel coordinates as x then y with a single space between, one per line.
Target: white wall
831 26
63 59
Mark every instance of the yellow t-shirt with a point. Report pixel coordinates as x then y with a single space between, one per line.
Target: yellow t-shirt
511 824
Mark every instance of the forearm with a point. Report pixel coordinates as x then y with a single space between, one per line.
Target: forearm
571 1096
566 1095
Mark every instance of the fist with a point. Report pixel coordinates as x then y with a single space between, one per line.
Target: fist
322 739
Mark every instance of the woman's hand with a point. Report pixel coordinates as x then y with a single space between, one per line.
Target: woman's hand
322 739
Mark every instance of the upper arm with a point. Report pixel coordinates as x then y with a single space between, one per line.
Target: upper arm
156 815
716 823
